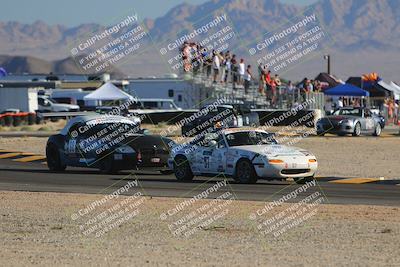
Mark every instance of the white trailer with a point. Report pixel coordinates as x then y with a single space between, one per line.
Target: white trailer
185 94
24 99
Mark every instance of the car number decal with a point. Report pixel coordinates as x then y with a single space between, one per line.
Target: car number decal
206 162
71 146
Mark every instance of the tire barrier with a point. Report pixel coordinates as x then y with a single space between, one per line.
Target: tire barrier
17 119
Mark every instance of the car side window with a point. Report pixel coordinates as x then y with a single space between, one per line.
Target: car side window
209 137
221 142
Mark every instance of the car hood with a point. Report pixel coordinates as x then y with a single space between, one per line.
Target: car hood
340 117
273 150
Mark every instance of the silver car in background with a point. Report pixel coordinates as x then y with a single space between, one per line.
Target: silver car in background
349 120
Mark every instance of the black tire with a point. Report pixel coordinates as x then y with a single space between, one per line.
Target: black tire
357 129
244 172
107 165
167 172
182 169
53 159
378 130
303 180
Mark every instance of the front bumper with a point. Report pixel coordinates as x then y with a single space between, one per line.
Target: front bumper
288 169
335 128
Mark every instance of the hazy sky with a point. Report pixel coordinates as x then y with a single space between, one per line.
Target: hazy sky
75 12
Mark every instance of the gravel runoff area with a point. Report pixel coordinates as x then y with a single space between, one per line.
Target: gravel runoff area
367 157
37 229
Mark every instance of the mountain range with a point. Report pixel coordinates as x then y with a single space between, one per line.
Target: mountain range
364 36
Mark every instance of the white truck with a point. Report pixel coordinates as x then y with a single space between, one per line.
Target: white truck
48 105
24 99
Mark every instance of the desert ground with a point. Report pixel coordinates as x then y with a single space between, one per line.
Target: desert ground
37 229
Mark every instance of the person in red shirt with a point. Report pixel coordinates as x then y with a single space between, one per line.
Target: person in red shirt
268 84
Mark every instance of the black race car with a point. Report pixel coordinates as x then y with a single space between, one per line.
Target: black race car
109 143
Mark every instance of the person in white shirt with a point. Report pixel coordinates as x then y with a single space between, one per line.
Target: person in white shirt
216 66
339 103
242 69
247 79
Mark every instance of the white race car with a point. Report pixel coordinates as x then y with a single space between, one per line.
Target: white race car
245 155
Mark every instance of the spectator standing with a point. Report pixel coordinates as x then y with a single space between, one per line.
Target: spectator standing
278 83
209 61
234 70
273 92
290 88
216 65
247 79
242 70
310 86
223 66
261 82
268 92
228 66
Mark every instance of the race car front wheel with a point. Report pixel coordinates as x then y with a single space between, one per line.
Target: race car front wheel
53 159
357 129
378 130
245 173
182 169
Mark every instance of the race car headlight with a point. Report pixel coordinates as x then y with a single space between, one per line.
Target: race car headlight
125 149
275 161
344 121
312 160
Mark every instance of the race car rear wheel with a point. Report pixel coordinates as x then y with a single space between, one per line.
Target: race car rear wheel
378 130
107 165
244 172
182 169
303 180
53 159
357 129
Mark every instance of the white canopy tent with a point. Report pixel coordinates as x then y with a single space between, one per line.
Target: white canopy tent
108 92
397 88
391 88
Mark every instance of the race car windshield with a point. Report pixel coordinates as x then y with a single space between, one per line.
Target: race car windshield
354 112
250 138
103 129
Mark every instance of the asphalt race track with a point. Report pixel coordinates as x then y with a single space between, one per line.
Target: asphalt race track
35 177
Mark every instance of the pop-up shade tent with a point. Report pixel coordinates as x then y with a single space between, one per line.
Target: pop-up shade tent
346 90
396 90
108 92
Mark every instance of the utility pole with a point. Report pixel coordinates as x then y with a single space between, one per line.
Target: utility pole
328 58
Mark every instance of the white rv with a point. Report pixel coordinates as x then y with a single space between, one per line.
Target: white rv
184 94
